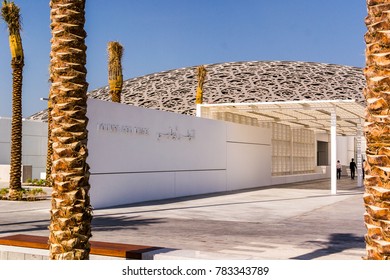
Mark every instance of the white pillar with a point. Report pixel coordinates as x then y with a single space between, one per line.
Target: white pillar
291 152
333 152
359 155
198 110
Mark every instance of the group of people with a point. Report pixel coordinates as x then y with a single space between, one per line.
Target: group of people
352 167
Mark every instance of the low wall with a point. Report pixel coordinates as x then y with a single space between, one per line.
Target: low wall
286 179
137 154
320 172
33 247
25 253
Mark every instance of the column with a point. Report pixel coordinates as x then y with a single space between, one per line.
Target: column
198 110
291 151
333 152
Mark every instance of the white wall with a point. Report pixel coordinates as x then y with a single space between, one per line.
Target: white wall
34 145
138 154
146 141
249 156
5 140
346 148
342 150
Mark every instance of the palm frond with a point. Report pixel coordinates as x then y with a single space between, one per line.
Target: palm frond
115 50
11 15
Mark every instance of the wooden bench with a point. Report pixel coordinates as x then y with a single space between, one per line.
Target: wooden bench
119 250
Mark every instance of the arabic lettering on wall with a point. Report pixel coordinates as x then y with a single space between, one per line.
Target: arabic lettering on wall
173 134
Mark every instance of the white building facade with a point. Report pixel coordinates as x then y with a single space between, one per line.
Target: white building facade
34 148
138 154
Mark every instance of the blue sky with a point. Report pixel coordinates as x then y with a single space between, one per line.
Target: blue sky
160 35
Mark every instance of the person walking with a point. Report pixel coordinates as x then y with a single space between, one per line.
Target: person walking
338 166
363 163
352 166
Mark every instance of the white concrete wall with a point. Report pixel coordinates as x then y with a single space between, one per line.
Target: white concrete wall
351 149
249 156
34 145
342 148
138 154
5 140
287 179
5 171
17 253
346 148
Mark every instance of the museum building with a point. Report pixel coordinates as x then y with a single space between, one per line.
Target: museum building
261 123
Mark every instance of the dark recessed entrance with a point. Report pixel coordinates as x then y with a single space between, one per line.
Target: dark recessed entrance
322 153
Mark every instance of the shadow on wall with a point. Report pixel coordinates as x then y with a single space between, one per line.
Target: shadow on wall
337 243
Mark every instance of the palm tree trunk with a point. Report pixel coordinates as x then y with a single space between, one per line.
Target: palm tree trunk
71 213
49 146
199 89
16 132
377 130
115 77
11 15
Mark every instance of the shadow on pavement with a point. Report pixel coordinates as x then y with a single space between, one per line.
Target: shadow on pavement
337 243
110 223
99 223
27 226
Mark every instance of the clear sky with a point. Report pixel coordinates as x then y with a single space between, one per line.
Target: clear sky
161 35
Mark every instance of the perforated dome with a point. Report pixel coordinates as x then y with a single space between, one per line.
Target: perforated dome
240 82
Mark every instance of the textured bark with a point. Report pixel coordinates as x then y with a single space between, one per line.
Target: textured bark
16 131
377 130
201 78
115 77
116 96
49 146
71 215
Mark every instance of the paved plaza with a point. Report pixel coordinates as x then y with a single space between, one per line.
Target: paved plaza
294 221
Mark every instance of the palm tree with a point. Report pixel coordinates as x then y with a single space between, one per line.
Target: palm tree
115 78
199 90
49 145
377 131
11 15
71 212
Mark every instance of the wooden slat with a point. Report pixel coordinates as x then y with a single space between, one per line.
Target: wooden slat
24 240
120 250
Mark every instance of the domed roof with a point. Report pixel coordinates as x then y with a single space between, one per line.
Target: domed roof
240 82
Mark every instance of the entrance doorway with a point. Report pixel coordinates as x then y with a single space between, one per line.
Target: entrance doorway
322 153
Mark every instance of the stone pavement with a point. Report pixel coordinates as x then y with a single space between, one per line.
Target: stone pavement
294 221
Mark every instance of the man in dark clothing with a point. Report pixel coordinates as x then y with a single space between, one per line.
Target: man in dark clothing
352 166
